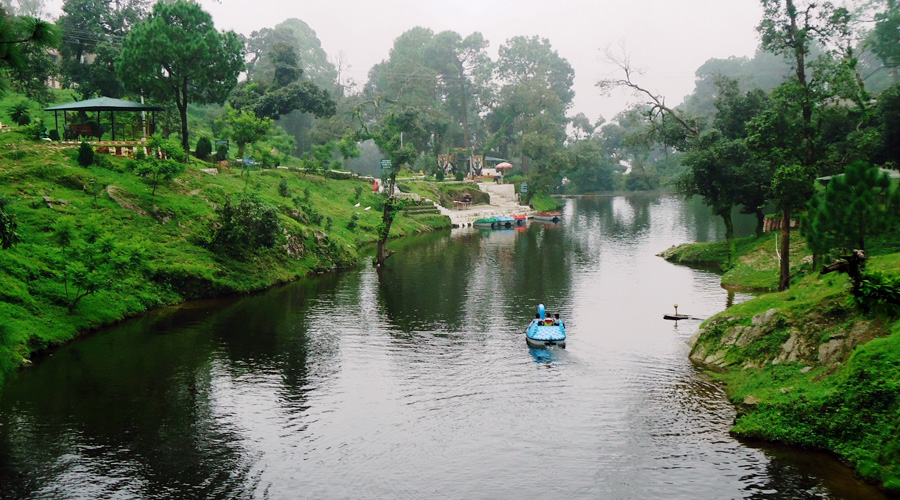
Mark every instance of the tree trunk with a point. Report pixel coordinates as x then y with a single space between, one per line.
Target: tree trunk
182 110
182 113
760 222
387 219
729 237
784 278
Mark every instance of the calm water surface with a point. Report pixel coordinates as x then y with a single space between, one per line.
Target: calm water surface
415 382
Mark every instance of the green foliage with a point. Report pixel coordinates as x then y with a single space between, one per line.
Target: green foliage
878 292
283 190
244 227
93 260
221 152
85 155
353 223
8 225
19 35
204 148
202 65
460 175
245 128
889 114
856 205
20 112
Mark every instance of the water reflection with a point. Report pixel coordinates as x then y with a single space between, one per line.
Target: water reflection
414 381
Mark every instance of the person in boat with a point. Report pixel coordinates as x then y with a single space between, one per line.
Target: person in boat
466 198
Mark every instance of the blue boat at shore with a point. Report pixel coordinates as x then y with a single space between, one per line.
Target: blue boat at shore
544 331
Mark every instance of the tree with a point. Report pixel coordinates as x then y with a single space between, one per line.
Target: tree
177 54
94 261
889 114
8 225
92 34
349 148
245 128
791 187
856 205
791 31
164 163
18 35
885 38
389 141
283 190
714 161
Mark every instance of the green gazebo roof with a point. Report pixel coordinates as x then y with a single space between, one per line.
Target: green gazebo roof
104 104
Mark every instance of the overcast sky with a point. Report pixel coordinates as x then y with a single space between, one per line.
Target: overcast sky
667 39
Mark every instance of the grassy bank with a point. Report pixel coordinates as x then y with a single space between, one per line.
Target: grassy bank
807 366
324 224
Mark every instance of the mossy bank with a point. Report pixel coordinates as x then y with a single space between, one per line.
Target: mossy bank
66 214
806 366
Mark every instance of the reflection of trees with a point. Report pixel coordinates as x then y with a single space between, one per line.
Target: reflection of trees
141 400
425 289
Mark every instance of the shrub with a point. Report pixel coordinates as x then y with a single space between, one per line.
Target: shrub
85 154
460 175
19 112
53 135
439 175
221 152
352 224
204 148
878 292
245 226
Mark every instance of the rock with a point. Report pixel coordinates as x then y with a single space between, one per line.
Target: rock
210 171
792 350
26 362
805 369
752 400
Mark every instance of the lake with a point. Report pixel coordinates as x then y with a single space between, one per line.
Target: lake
414 381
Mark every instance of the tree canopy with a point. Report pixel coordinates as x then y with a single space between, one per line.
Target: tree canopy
176 54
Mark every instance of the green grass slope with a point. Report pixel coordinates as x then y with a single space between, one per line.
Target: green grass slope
806 366
325 223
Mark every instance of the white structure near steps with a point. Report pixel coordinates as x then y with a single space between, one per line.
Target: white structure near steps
503 203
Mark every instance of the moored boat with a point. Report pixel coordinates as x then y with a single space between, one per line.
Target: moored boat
505 221
520 219
489 222
544 331
548 217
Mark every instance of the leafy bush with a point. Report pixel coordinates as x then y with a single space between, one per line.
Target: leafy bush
460 175
20 112
439 175
85 154
204 148
221 152
54 135
8 225
245 226
353 224
878 292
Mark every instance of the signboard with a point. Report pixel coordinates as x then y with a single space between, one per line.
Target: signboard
523 188
385 163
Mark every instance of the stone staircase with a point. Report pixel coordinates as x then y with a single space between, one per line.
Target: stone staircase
503 203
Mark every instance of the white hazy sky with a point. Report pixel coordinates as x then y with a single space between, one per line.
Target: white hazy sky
667 39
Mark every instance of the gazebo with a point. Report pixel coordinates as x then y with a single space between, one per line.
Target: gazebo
99 105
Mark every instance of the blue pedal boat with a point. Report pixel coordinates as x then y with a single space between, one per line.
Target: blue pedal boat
544 331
